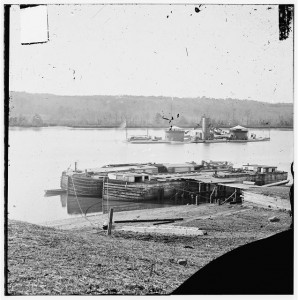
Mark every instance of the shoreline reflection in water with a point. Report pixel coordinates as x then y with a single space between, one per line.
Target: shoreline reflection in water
87 205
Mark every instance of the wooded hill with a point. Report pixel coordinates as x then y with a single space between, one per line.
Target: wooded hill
46 109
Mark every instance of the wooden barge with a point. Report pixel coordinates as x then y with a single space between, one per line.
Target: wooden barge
178 183
90 182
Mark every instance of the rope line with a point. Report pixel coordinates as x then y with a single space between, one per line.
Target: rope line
212 193
228 198
193 193
82 213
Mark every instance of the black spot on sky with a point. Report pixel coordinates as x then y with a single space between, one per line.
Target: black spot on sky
197 10
167 16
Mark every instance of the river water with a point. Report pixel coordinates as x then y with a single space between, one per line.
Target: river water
37 156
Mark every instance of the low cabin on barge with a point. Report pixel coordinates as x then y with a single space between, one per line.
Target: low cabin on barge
129 177
180 168
265 174
260 168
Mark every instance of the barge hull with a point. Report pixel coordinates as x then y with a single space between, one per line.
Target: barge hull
82 186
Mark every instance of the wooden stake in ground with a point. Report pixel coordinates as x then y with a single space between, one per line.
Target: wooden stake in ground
110 221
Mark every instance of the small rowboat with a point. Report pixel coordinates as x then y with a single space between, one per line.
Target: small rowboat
55 192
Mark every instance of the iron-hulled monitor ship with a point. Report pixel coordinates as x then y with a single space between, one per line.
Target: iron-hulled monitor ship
206 134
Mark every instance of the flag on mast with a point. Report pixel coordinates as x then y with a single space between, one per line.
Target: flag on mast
123 124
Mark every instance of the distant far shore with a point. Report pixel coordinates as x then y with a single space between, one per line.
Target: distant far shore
145 127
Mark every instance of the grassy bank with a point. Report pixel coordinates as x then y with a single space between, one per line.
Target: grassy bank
82 260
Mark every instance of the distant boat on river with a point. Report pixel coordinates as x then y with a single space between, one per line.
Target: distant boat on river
208 134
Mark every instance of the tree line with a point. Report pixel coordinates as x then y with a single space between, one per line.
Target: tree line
138 111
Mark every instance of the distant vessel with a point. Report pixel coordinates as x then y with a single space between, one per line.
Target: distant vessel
237 134
173 135
207 134
145 139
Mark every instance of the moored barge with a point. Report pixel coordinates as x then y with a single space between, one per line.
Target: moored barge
147 182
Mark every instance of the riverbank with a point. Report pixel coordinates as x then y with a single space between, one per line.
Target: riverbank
76 257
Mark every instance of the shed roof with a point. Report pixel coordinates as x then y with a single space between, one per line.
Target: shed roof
122 169
260 166
130 174
179 165
209 179
175 128
238 127
237 185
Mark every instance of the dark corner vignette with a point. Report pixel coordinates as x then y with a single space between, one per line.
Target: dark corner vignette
6 145
286 15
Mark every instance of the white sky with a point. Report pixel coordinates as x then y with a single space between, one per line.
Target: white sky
222 51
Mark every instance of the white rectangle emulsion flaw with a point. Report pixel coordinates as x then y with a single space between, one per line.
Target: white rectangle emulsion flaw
34 25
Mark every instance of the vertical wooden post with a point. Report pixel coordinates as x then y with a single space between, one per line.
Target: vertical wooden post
103 192
176 197
196 199
110 222
216 194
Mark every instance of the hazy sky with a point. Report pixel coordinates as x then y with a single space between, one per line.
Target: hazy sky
222 51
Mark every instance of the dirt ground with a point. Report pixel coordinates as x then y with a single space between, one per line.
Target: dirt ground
76 257
274 191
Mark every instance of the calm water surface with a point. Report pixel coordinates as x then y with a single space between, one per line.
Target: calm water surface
38 156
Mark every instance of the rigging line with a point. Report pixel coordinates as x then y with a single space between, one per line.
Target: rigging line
107 194
228 198
90 207
194 193
84 216
187 191
212 193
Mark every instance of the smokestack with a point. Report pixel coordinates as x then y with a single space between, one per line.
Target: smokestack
205 128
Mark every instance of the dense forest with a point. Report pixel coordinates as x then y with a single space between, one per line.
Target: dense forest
138 111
